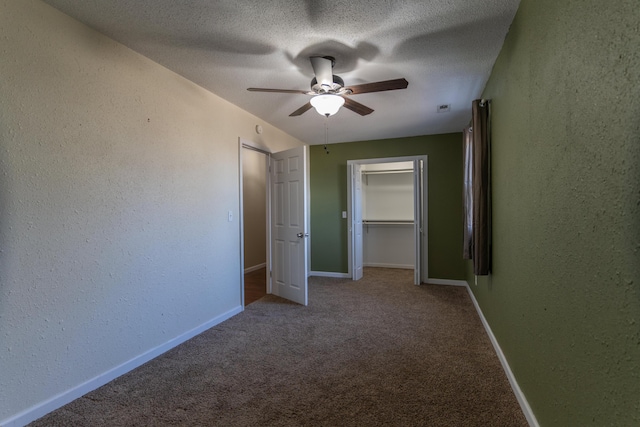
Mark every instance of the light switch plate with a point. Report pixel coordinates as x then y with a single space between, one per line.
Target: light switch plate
344 214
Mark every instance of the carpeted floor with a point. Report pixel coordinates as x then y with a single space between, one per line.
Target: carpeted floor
380 351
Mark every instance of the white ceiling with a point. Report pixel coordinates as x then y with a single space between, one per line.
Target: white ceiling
444 48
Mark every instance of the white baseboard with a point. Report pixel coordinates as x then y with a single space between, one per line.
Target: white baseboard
330 274
255 267
43 408
385 265
447 282
522 400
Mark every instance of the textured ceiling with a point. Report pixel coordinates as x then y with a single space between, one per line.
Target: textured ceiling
444 48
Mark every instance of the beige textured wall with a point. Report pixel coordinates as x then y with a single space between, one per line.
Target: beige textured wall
116 176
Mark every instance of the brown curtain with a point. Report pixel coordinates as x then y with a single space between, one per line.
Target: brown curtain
481 239
467 195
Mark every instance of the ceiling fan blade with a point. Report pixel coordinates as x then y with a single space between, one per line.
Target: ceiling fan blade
379 86
323 69
356 107
306 107
260 89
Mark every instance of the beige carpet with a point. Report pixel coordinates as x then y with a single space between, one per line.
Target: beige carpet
380 351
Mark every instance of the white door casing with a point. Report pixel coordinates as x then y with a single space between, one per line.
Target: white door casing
422 176
356 221
417 219
289 225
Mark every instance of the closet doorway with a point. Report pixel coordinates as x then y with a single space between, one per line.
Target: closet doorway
387 213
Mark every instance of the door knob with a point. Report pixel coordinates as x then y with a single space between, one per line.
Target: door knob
301 235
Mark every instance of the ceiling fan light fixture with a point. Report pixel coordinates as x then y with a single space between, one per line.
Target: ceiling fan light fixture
327 104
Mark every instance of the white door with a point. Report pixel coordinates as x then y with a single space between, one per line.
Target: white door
289 228
358 253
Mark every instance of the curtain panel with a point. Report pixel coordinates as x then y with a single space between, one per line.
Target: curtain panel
467 195
481 188
477 189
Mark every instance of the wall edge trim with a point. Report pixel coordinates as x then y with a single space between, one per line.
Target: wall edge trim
254 268
387 265
330 274
43 408
447 282
522 399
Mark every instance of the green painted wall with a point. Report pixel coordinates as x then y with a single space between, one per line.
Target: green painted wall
329 199
564 297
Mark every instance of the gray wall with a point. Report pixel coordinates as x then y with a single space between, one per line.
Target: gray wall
116 179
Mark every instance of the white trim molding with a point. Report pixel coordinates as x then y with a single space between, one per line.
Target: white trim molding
447 282
330 274
43 408
387 265
522 400
255 267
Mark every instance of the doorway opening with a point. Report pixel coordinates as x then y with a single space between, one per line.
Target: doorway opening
387 213
255 179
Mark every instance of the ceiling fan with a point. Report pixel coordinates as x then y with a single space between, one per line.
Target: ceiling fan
329 92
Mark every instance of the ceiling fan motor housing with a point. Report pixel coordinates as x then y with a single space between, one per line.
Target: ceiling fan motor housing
336 87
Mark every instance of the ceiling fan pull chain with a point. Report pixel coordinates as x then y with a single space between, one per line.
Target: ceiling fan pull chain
326 130
326 134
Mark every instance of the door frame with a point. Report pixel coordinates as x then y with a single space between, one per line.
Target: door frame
245 144
251 145
421 235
